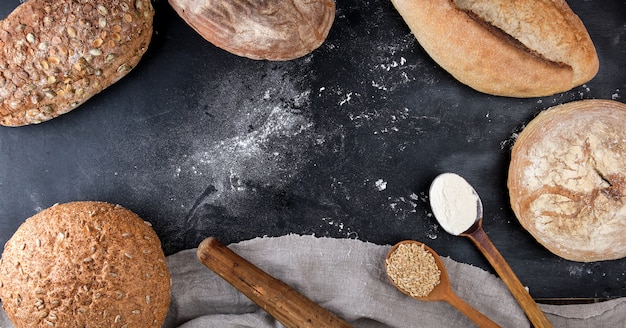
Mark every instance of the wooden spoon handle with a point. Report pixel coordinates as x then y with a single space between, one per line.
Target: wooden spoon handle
281 301
532 310
478 318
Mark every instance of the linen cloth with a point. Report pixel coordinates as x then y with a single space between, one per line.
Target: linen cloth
348 278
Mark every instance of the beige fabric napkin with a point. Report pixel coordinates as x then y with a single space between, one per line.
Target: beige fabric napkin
347 277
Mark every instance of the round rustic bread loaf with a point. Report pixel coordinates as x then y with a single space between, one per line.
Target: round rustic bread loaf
526 48
271 30
567 180
56 54
84 264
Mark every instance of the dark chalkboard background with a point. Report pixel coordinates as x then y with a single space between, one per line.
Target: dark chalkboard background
341 143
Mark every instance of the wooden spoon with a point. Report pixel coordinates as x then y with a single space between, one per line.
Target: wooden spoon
450 189
278 299
443 291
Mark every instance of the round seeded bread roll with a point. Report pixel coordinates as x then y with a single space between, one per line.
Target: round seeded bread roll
567 180
271 30
56 54
84 264
515 48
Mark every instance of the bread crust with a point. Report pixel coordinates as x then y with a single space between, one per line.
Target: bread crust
270 30
567 180
56 54
84 264
517 48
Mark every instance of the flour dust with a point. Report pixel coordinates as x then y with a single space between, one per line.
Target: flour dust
258 138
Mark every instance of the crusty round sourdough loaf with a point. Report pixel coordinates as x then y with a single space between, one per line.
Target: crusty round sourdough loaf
56 54
271 30
516 48
84 264
567 180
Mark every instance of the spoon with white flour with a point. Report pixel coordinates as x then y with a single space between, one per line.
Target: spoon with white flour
459 211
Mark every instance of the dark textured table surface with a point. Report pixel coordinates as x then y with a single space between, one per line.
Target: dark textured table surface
341 143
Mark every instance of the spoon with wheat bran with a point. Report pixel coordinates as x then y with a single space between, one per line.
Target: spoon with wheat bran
416 270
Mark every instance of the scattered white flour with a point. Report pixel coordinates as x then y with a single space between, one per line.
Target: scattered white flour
616 95
388 66
257 137
345 100
381 184
379 86
349 233
36 199
432 233
453 202
334 223
403 204
390 69
579 269
586 88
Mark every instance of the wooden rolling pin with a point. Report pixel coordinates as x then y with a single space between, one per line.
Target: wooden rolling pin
278 299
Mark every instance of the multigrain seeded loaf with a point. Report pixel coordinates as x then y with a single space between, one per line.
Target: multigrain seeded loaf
271 30
567 180
515 48
84 264
56 54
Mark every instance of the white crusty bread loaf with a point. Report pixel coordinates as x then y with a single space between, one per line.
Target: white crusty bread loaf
84 264
56 54
271 30
515 48
567 180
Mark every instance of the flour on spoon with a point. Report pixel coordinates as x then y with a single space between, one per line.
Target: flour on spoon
454 203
